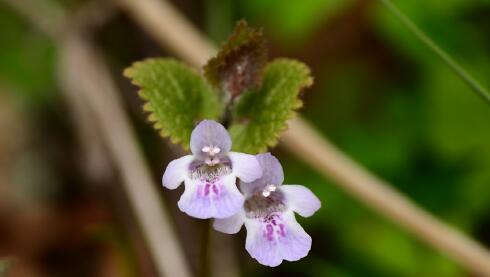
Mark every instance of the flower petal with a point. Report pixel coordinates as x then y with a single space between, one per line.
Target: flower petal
301 200
245 166
176 172
272 173
210 133
219 198
230 225
272 242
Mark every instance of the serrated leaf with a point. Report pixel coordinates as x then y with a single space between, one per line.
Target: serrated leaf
239 63
176 96
261 115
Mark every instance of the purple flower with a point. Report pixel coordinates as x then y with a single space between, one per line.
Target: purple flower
210 173
273 235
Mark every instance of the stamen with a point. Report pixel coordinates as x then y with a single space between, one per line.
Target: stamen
264 203
211 150
215 150
210 167
212 161
268 189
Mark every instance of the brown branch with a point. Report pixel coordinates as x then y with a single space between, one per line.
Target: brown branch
162 21
321 154
172 30
48 18
84 72
85 69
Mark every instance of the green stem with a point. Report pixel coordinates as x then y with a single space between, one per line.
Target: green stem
204 267
226 118
465 76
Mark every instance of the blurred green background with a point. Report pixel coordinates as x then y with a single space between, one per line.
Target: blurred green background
379 94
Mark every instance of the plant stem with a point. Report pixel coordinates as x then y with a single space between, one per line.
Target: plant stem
226 118
427 41
204 268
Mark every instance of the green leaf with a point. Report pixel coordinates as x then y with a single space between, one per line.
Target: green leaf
240 61
176 96
260 115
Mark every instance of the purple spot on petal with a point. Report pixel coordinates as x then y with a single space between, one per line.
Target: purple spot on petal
269 232
206 189
211 197
274 229
284 240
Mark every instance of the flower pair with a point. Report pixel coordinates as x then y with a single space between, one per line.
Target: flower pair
263 204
